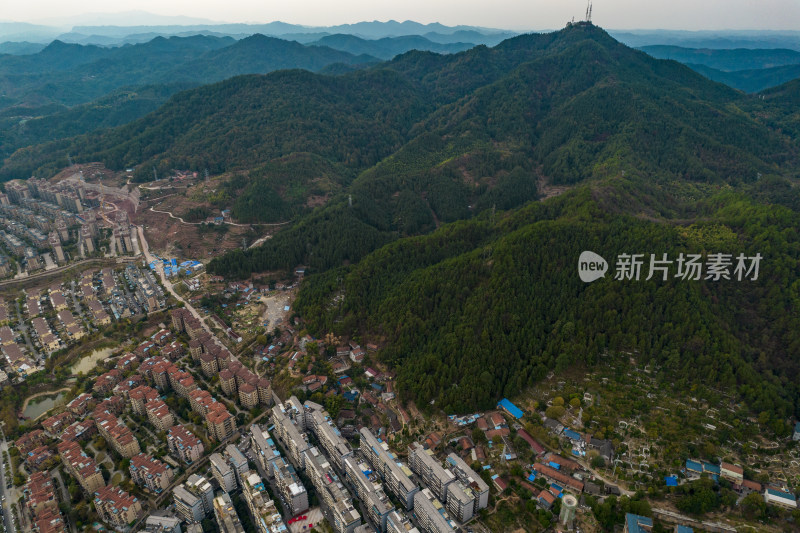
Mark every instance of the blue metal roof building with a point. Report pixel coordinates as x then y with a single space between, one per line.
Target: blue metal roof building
636 524
684 529
694 466
510 408
572 435
781 494
711 468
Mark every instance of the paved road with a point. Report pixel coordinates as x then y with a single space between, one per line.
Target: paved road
23 328
8 521
168 285
78 308
56 272
64 496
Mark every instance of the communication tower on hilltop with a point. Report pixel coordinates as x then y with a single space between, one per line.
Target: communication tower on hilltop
589 11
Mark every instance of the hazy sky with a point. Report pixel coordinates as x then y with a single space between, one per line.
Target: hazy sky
511 14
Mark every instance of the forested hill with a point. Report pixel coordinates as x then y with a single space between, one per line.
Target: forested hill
561 108
388 47
40 92
751 81
484 308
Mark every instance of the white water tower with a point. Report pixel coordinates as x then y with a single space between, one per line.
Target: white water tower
569 504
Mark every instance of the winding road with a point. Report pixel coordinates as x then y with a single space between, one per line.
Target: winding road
145 247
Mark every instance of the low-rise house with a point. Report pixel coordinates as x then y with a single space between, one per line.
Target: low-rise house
537 448
637 524
37 457
731 472
55 424
30 440
780 497
558 477
546 499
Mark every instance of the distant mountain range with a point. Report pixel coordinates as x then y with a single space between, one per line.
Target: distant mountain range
749 70
721 39
727 60
115 35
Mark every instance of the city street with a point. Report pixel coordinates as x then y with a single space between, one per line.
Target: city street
8 520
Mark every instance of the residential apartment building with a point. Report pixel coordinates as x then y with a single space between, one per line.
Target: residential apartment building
433 474
40 493
266 517
329 436
228 382
222 472
159 415
162 524
237 461
194 498
397 522
471 480
150 473
248 396
116 507
184 445
460 501
289 485
117 434
368 489
430 513
221 423
188 505
289 434
337 506
209 364
263 447
82 467
297 412
396 476
227 519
